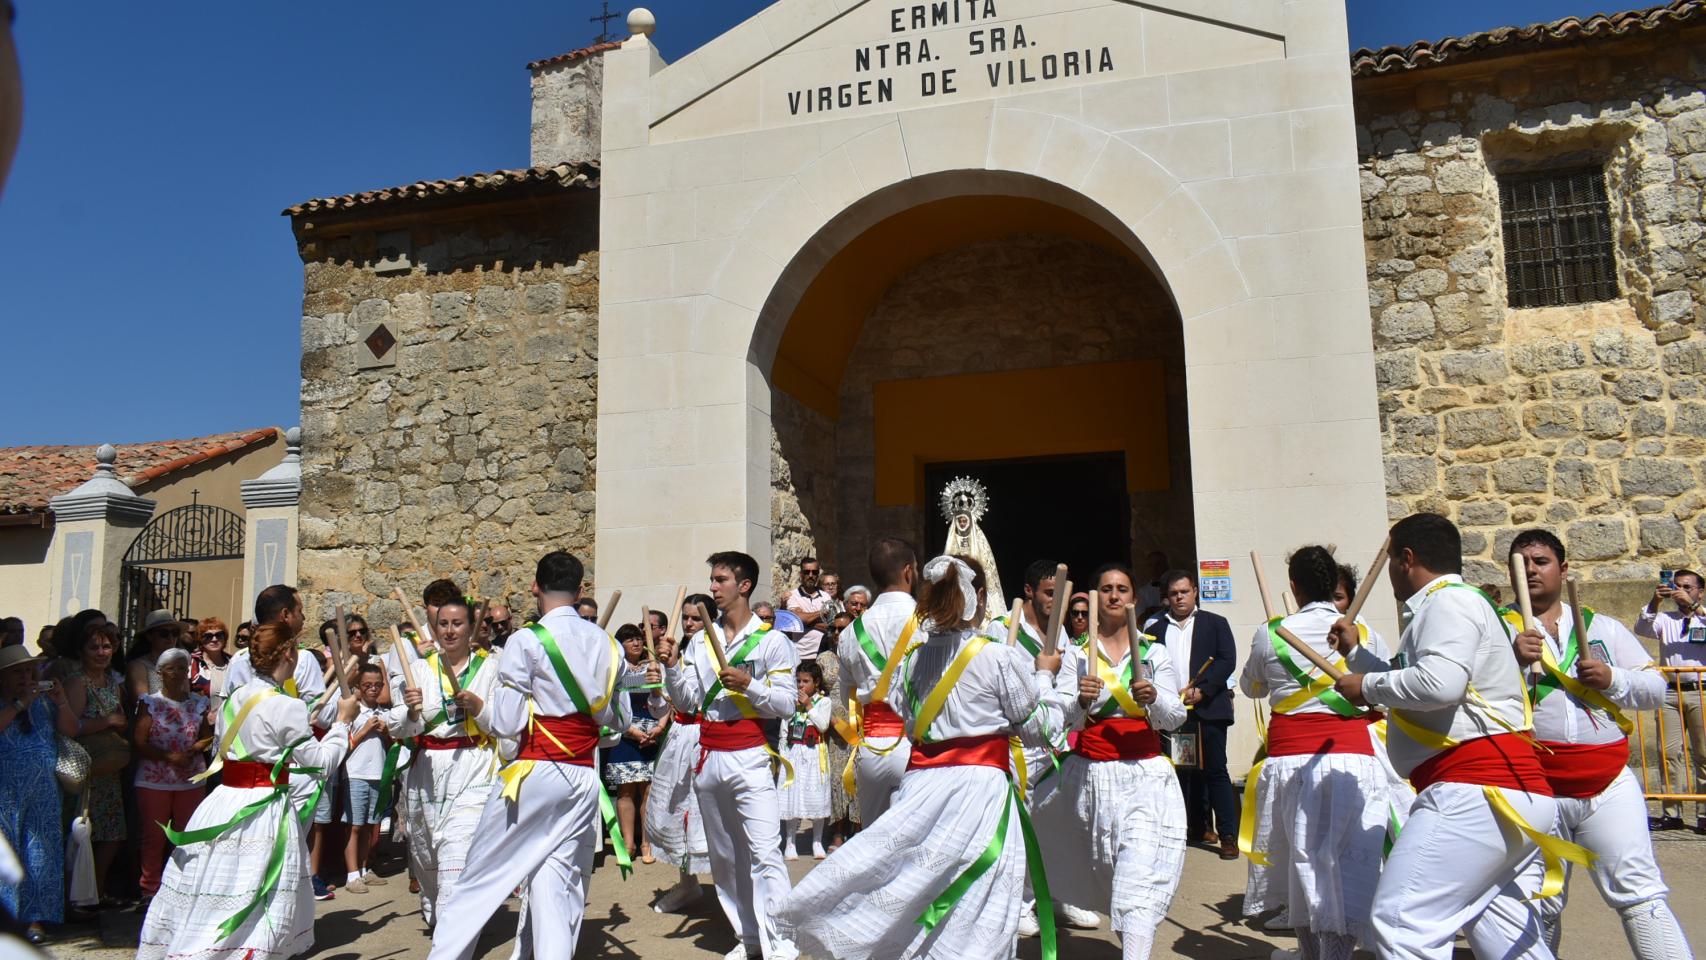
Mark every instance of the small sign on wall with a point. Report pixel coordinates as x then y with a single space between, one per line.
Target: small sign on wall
1214 580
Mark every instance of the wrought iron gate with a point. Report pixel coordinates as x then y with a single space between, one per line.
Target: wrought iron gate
189 534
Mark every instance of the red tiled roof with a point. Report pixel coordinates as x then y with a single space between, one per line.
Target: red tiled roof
1510 40
574 55
562 174
30 476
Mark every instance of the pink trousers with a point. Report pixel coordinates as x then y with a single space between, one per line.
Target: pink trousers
172 807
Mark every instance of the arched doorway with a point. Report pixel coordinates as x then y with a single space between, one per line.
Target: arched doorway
154 575
997 327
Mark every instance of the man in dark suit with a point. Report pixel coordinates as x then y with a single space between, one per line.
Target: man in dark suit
1200 645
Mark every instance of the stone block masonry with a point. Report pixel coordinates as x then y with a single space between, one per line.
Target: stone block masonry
1585 419
475 452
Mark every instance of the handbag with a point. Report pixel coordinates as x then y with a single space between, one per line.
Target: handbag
71 767
109 751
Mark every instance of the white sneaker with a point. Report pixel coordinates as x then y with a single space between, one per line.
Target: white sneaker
1078 917
817 852
741 953
1028 926
792 854
1279 921
685 892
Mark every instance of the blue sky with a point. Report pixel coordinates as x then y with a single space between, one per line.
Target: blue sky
151 288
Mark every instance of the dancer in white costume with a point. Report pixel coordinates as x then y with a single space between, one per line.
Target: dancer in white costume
964 503
456 754
1580 694
237 884
540 825
673 823
737 792
942 874
1114 815
1457 715
804 797
1321 793
880 756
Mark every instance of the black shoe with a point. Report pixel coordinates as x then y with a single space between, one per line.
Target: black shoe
35 934
1665 823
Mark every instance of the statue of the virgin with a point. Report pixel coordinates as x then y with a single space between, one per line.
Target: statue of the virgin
964 503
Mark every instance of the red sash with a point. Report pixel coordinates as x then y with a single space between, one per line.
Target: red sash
1313 734
993 750
1118 738
447 743
691 719
811 737
577 731
728 735
1505 760
243 774
1583 770
882 721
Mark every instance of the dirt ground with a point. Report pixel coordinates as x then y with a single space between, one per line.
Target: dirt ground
1205 923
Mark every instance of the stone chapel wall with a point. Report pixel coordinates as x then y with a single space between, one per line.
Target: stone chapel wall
1588 419
475 451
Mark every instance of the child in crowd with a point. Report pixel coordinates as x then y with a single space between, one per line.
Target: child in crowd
805 795
365 769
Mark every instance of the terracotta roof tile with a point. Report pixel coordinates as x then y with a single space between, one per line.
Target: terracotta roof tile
1510 40
30 476
562 174
574 55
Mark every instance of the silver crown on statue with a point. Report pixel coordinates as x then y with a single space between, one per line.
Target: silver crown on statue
964 495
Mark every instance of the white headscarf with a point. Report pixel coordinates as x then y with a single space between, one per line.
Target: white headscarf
937 570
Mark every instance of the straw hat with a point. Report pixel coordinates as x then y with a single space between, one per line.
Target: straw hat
14 655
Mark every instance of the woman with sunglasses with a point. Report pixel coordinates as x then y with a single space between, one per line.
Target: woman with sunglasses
209 660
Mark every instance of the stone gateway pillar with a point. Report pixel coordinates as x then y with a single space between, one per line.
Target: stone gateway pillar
93 527
269 537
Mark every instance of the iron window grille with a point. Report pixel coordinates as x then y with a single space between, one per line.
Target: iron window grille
1557 230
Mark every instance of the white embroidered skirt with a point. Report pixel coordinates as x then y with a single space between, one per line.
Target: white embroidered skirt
865 900
807 798
673 826
206 883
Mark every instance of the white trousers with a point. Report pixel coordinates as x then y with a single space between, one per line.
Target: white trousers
546 839
737 797
878 775
1453 857
1626 872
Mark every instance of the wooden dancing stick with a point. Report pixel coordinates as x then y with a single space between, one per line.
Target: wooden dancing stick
340 650
1525 604
716 645
409 611
1262 585
1057 613
1321 663
1131 629
406 657
675 611
1095 641
1367 586
1013 623
1286 603
609 609
1581 623
646 625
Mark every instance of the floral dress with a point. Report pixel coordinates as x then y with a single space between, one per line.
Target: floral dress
106 796
839 805
173 727
629 762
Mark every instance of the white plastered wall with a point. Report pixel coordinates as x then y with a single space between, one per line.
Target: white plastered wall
1223 147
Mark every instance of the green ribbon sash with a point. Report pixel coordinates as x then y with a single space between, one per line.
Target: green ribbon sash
942 905
1032 646
739 655
606 808
1322 686
388 776
1572 652
868 645
1111 705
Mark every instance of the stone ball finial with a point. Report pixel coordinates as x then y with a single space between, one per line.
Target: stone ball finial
293 437
106 455
641 22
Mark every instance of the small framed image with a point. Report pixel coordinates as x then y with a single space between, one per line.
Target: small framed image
1186 750
1598 650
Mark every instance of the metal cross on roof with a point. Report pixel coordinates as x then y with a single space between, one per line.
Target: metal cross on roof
603 21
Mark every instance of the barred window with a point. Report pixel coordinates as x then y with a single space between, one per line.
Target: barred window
1557 229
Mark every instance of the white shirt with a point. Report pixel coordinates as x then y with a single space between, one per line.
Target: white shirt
274 725
771 663
367 758
1166 713
526 675
817 716
1673 630
1561 718
884 620
1454 641
310 681
1265 674
1178 643
1000 692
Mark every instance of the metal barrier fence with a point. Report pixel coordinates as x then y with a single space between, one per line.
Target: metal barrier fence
1677 773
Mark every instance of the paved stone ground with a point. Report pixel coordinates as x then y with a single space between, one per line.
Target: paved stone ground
1205 923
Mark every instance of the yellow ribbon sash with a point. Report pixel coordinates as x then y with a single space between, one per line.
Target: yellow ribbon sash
1247 816
231 735
938 697
1583 692
1117 690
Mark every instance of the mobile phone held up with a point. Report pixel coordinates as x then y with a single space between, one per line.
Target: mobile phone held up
1667 577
